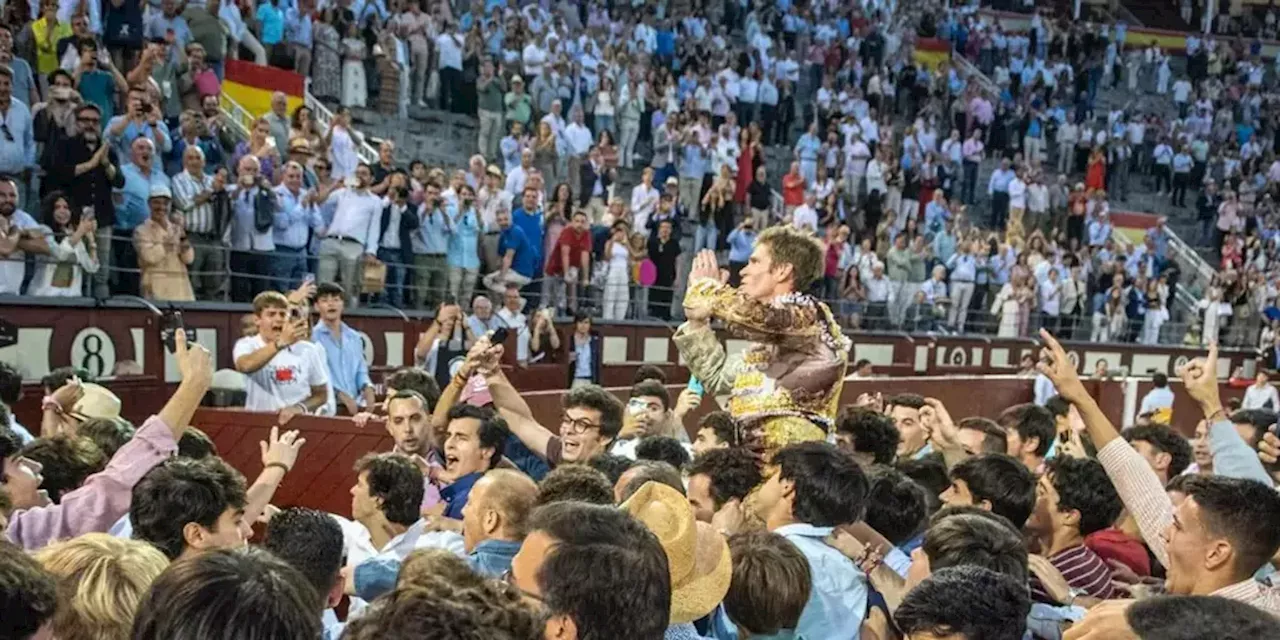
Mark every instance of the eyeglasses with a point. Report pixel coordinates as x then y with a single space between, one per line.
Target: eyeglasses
575 427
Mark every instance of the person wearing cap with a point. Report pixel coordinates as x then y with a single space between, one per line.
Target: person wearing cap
300 152
519 106
141 176
697 555
163 251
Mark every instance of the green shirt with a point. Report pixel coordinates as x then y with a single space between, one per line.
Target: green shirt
519 108
490 96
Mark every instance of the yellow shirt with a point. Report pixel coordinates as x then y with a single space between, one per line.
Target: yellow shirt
47 44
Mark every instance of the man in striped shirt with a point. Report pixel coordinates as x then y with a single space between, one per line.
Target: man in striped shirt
1225 529
1074 498
196 196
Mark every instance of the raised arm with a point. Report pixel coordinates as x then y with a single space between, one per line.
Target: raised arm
516 412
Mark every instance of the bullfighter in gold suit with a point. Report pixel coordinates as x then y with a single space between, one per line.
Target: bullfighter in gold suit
785 387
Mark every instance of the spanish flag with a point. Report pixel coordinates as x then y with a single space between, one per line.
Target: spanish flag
251 86
930 52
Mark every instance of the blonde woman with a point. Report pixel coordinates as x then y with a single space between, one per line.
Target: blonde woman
714 209
261 145
101 579
545 156
617 253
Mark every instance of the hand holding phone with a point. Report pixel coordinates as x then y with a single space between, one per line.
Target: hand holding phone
170 324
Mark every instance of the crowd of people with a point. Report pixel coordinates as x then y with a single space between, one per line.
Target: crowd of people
612 149
788 514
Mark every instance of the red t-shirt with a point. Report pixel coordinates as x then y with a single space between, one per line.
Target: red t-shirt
577 241
792 190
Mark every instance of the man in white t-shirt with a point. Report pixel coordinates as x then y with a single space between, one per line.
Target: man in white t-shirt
285 373
19 234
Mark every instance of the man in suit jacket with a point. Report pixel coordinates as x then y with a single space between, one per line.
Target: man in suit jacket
594 190
395 248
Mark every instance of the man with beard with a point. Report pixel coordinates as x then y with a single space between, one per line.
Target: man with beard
87 170
352 239
19 234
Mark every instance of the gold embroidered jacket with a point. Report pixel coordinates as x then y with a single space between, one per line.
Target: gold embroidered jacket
789 378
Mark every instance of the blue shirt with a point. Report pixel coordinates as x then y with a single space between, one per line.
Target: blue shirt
133 211
348 371
531 224
693 161
299 30
964 268
492 558
582 361
272 23
455 495
293 219
18 148
807 148
98 88
740 245
838 597
159 24
525 259
434 234
463 242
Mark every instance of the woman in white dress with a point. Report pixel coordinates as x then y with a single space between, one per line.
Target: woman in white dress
355 93
618 279
1008 305
72 250
1215 311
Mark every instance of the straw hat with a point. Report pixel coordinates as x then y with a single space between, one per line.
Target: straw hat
96 401
697 554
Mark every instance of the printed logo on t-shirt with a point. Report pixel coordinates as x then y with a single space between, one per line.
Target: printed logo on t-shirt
285 375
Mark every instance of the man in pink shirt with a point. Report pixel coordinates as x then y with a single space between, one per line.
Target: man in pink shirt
104 497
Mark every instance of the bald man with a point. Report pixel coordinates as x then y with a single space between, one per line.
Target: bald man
494 524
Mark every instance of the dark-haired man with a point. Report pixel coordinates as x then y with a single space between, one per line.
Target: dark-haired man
473 447
1223 531
1168 453
648 414
1164 617
494 523
896 507
969 602
311 542
105 497
1030 431
238 593
1074 498
994 482
719 476
28 594
185 507
816 487
868 435
905 408
716 430
598 573
10 394
770 585
591 420
385 524
343 350
800 403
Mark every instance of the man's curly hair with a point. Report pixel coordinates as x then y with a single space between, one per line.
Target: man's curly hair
434 609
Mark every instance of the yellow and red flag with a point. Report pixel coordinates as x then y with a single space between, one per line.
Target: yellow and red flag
251 86
930 52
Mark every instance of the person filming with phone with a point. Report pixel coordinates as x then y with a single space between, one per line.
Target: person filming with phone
286 373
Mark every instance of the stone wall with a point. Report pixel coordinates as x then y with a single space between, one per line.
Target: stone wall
434 137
